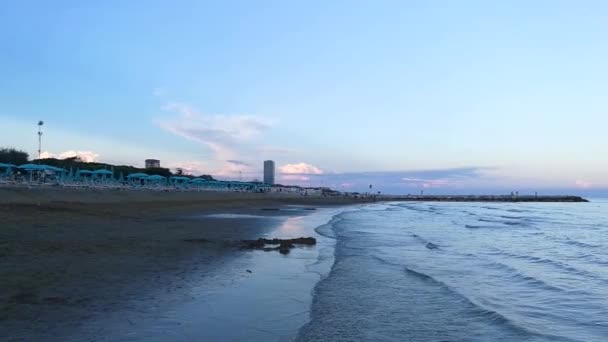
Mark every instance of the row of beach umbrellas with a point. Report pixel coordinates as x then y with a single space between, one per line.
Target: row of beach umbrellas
139 176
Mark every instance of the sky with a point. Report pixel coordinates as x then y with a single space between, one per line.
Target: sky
406 96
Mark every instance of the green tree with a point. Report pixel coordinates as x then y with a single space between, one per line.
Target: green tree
13 156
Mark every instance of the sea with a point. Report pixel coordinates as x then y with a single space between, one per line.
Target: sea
418 271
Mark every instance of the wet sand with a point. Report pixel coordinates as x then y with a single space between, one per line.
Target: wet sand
68 257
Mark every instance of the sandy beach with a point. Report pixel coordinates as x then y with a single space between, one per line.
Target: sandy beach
68 256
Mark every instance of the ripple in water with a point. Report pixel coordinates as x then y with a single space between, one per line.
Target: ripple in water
422 272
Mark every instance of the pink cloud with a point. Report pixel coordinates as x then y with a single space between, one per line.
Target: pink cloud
294 177
301 169
426 183
218 128
583 184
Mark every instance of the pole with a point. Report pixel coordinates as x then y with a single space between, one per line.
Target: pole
40 123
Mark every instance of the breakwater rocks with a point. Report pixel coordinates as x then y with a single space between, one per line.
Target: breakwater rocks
281 245
483 198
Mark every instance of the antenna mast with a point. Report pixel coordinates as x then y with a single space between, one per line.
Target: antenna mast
40 124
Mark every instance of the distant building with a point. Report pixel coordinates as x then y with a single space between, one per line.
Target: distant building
269 172
152 163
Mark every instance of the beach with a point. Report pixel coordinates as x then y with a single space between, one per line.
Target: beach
69 257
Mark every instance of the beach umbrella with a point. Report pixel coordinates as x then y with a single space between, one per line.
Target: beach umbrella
180 179
81 174
30 167
103 173
137 175
8 168
156 179
53 168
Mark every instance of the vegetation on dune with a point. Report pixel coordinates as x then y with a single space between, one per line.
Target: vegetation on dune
13 156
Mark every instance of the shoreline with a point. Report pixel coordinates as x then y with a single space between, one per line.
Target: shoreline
69 257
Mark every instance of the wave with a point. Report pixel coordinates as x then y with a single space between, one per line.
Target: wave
506 223
514 273
426 243
419 208
519 210
581 244
489 220
563 267
509 222
472 226
328 230
478 310
431 245
511 217
475 309
514 223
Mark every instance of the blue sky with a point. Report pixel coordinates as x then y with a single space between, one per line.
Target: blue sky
447 96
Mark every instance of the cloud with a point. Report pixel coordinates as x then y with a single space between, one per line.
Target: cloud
301 169
407 181
581 184
426 183
227 136
86 156
294 177
216 128
224 170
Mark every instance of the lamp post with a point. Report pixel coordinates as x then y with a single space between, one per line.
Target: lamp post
40 124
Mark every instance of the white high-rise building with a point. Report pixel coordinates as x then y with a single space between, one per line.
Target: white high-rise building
269 172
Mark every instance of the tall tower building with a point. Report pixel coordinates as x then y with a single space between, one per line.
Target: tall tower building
269 172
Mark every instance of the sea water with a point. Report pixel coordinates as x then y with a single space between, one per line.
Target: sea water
465 272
